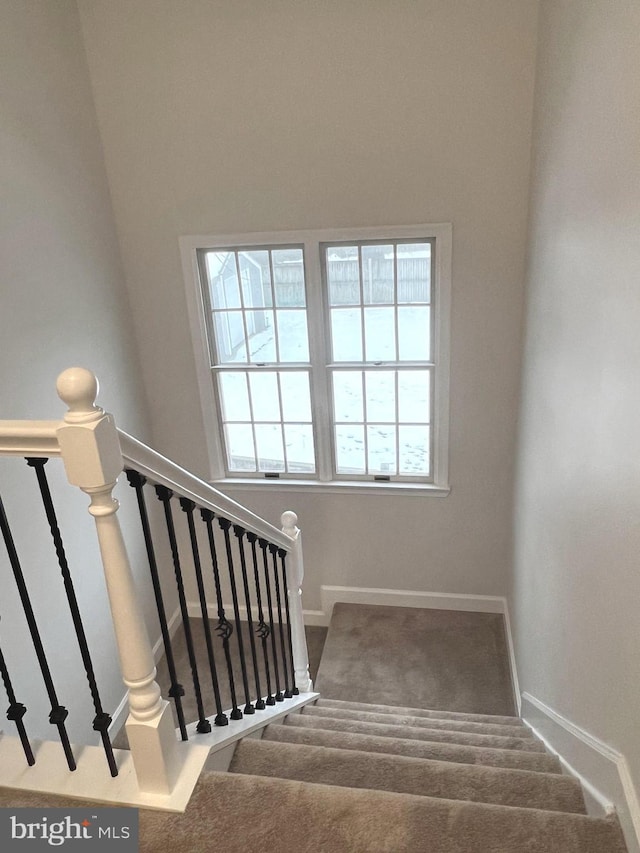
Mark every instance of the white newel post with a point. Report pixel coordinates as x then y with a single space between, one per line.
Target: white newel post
295 576
91 453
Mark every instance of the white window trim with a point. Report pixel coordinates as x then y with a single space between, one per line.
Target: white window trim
442 232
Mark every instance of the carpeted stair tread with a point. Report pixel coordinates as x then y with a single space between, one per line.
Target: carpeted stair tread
428 723
236 813
408 775
416 732
402 710
517 759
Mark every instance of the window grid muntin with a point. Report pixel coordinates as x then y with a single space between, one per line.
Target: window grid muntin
427 425
215 354
259 421
330 307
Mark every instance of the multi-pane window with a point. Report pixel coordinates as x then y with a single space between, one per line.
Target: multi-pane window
327 355
379 301
259 347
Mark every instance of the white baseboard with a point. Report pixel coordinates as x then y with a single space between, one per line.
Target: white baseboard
316 617
330 595
602 770
175 621
119 716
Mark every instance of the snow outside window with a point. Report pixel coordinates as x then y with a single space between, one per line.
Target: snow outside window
327 355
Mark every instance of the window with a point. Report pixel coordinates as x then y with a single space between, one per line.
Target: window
323 356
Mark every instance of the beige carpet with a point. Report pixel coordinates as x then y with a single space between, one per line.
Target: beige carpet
440 659
406 776
361 791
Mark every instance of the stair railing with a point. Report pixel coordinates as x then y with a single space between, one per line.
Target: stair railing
95 453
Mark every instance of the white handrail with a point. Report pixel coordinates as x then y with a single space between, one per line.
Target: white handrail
29 438
164 472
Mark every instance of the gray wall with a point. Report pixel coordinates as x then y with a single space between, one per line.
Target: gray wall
221 117
576 583
63 303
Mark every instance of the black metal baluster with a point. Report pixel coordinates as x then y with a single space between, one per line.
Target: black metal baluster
283 555
164 495
225 524
224 628
287 690
16 711
102 720
176 690
188 507
263 546
240 532
58 712
263 629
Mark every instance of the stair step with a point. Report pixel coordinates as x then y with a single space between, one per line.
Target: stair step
401 710
251 812
534 761
405 775
416 732
429 723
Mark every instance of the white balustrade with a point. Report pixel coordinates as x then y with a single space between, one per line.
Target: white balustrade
295 576
94 453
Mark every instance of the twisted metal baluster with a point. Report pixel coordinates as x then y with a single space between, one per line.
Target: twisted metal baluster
189 506
283 554
58 712
262 630
102 720
225 524
16 711
263 547
287 691
164 495
240 532
176 690
224 628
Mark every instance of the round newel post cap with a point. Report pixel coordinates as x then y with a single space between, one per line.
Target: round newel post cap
78 388
289 521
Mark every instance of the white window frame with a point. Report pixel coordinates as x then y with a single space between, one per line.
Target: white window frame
317 320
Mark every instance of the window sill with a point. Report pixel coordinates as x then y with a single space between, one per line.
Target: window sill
332 488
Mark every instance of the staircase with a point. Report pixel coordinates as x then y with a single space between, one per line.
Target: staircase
380 778
314 773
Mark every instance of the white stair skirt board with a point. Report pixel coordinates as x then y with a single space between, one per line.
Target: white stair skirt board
603 771
92 780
